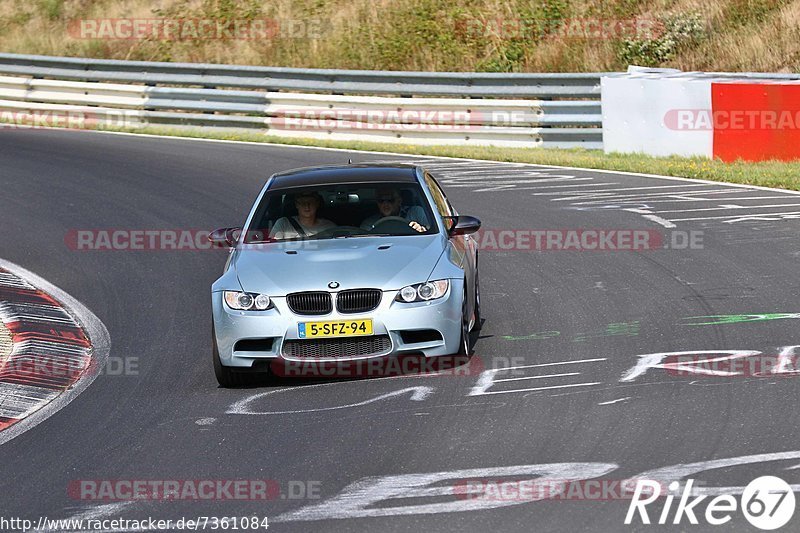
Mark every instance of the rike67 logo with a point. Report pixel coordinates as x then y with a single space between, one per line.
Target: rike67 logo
767 503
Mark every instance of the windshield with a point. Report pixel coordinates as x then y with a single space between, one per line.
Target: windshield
342 211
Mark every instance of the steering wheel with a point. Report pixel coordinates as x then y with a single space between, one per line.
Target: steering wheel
389 219
393 224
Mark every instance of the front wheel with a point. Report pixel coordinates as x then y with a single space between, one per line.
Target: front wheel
463 344
478 324
226 377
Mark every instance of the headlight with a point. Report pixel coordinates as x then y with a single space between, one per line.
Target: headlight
247 301
423 292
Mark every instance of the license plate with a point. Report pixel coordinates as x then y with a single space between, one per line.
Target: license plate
338 328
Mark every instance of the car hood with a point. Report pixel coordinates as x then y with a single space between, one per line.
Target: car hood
387 263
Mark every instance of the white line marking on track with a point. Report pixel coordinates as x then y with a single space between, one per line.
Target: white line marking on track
544 388
544 376
604 191
738 217
242 407
434 493
658 220
493 183
495 171
787 361
487 378
496 188
551 364
668 474
611 402
600 198
96 513
727 206
677 200
532 186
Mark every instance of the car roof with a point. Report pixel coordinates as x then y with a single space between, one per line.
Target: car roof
335 174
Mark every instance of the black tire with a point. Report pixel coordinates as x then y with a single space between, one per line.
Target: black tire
223 374
226 377
463 343
478 324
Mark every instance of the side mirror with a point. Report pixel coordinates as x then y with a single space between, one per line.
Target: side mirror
225 237
464 225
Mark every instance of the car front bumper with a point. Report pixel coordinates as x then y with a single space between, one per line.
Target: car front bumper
279 324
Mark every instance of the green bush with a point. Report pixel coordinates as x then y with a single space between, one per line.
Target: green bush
675 31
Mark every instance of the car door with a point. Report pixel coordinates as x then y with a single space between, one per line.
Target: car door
464 247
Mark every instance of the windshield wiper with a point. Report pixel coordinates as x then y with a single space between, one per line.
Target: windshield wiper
358 235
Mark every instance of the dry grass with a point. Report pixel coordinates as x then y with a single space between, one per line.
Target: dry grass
419 34
768 45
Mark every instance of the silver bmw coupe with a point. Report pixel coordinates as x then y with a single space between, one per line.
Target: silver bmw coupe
344 263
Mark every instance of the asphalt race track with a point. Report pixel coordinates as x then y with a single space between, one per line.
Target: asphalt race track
573 323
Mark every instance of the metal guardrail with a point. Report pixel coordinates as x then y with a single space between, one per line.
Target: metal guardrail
550 110
318 80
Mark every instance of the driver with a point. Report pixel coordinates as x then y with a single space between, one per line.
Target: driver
305 223
390 204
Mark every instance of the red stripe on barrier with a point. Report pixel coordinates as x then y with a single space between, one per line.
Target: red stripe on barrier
5 422
756 121
27 296
22 330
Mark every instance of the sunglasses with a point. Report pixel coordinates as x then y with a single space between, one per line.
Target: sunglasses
385 200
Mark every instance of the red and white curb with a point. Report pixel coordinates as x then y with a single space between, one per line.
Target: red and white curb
57 346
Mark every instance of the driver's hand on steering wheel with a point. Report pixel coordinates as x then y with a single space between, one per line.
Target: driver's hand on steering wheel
417 226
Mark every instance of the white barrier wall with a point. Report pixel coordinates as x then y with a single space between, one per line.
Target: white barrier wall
641 114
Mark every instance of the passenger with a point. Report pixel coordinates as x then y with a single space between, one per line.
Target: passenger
305 223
